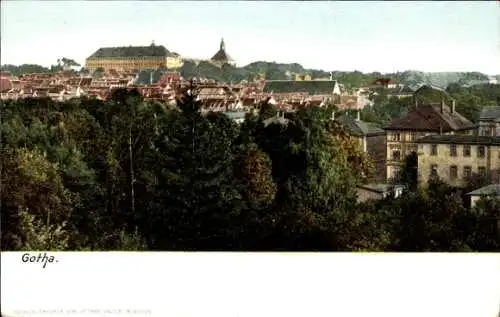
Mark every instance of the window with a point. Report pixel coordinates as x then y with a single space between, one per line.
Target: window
467 171
480 151
453 172
396 175
434 149
481 170
412 148
396 137
434 170
453 150
396 155
466 150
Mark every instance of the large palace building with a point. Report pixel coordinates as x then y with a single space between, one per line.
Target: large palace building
133 58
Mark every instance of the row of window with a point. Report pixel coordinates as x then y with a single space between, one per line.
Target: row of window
490 130
412 136
467 171
481 150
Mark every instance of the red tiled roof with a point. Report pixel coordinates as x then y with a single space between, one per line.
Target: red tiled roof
5 84
430 118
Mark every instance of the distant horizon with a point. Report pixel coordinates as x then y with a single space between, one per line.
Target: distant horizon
316 69
385 37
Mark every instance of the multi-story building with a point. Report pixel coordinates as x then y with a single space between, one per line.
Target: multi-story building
422 120
455 158
370 138
489 121
133 58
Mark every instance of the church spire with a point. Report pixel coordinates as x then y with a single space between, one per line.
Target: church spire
222 45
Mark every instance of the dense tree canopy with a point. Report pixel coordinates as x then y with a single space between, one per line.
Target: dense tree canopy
129 174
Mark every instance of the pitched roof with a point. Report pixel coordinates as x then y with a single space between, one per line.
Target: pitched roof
313 87
493 189
358 127
221 56
422 86
430 118
460 139
131 51
5 84
490 114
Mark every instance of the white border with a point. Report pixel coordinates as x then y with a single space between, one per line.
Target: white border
253 285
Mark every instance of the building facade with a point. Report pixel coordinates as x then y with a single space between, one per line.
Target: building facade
422 120
371 140
133 58
489 121
456 158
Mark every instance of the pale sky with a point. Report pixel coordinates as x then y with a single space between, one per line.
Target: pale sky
366 36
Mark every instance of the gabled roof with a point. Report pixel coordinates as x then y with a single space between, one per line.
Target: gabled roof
490 114
421 86
430 118
490 190
131 51
460 139
5 84
358 127
312 87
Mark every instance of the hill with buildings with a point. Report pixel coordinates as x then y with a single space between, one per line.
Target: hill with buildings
278 71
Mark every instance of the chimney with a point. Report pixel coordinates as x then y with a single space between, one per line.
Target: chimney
333 115
277 114
283 114
453 106
442 105
358 115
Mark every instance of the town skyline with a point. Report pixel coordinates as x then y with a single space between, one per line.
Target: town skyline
373 36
